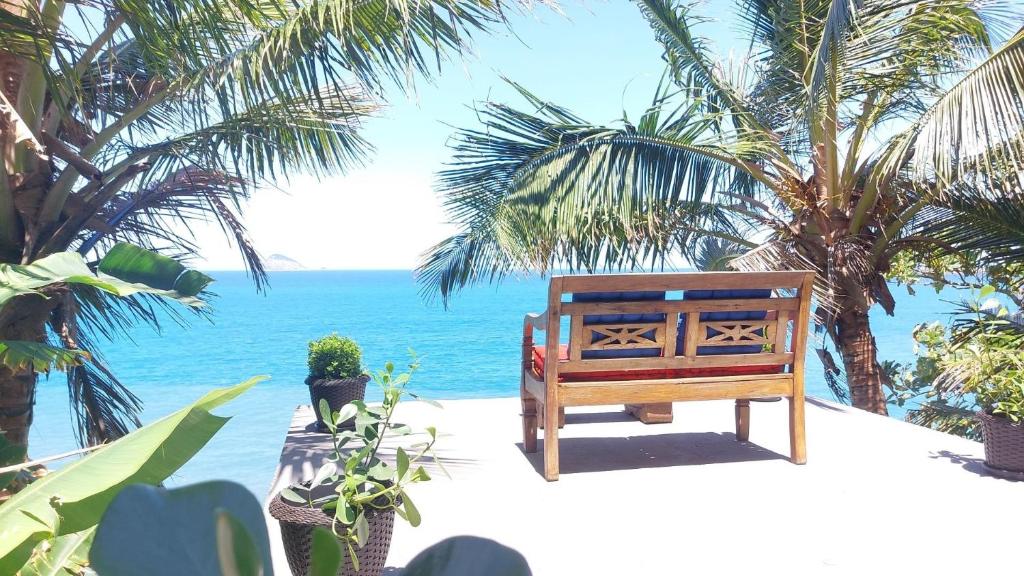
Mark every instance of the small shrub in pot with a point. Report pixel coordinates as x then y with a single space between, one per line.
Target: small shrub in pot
336 374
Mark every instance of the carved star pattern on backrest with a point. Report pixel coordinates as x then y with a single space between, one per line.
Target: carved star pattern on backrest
622 336
740 332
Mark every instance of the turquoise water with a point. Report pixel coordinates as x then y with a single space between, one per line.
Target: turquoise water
468 351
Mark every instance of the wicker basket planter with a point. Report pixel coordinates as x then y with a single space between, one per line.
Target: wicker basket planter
298 520
1004 446
337 393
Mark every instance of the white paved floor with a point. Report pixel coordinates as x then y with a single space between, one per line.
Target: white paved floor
877 496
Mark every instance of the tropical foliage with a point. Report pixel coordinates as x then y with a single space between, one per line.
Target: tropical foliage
51 523
362 481
978 364
125 272
133 121
853 132
217 528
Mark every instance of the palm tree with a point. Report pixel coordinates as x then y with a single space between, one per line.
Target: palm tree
826 147
131 120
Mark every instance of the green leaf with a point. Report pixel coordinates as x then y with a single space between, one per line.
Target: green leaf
70 267
347 412
19 354
292 496
213 527
420 475
402 463
82 490
362 528
62 556
325 410
192 282
380 471
986 290
325 557
461 555
433 403
401 429
346 514
236 551
324 472
411 513
140 266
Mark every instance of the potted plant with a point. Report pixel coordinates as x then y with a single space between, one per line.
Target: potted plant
336 374
992 369
983 365
355 493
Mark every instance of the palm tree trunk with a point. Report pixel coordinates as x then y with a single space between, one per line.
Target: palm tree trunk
23 318
864 374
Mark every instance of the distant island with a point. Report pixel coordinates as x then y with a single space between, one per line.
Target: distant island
281 263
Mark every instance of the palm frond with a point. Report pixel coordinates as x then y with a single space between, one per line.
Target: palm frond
983 113
839 21
993 227
104 409
163 213
690 59
544 188
715 254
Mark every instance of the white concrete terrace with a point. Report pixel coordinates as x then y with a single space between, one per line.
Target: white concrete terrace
877 496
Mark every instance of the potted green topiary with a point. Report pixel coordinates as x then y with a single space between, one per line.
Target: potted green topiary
336 374
355 493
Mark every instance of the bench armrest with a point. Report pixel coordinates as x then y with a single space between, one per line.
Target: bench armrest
537 321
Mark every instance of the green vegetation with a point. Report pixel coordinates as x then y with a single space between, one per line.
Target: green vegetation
977 364
131 121
218 528
852 135
51 523
125 272
334 357
362 480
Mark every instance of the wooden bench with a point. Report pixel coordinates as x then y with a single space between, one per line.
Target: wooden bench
649 340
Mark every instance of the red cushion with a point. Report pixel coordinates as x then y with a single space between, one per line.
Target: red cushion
539 353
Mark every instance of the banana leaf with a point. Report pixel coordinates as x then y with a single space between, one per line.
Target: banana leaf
75 497
125 270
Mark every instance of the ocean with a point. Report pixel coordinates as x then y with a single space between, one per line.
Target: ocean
470 350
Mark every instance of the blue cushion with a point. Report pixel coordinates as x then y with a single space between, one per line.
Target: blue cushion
619 319
721 316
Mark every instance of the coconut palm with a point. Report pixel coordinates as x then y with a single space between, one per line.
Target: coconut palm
826 147
132 120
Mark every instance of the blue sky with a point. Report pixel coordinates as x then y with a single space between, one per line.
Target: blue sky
596 58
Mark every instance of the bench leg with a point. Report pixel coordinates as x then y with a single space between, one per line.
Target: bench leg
529 425
742 420
561 417
660 413
551 444
797 440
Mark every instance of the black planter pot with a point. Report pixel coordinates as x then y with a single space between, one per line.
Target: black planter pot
298 520
337 393
1004 446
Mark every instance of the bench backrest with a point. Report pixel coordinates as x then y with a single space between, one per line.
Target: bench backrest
678 321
